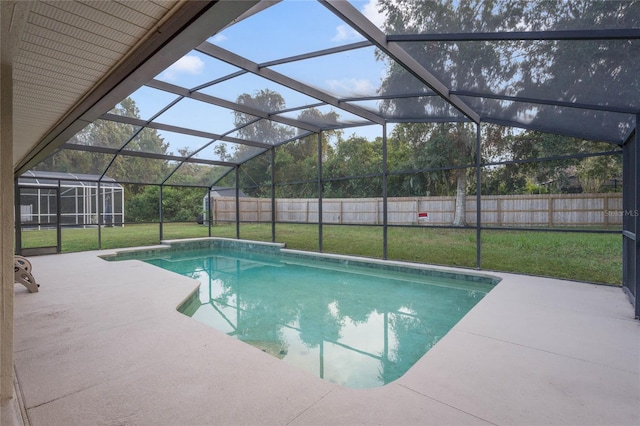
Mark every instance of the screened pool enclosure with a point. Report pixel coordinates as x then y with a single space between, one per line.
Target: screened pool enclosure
79 199
444 126
52 201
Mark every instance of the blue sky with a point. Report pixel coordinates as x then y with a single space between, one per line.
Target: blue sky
285 29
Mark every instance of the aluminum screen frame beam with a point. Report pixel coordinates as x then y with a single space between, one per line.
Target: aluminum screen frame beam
182 130
537 128
631 218
610 34
350 15
267 73
635 260
317 54
550 102
213 100
142 154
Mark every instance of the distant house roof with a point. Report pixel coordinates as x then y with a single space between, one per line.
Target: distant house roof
40 178
225 192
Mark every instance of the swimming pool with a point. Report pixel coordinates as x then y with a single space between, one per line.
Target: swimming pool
356 323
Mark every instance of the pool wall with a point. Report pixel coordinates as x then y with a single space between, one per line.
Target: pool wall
278 249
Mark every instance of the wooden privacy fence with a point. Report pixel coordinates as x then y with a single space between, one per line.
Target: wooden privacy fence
497 210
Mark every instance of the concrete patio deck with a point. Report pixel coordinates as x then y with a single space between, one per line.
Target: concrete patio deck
102 343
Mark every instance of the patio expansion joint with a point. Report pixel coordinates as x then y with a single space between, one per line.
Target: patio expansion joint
61 397
88 334
444 403
551 352
19 393
112 378
310 406
580 312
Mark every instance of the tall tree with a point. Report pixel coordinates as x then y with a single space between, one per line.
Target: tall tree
111 134
479 66
356 159
444 149
297 161
256 172
579 71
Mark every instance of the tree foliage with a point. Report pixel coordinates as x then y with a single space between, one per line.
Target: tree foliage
110 134
178 204
295 161
557 70
141 201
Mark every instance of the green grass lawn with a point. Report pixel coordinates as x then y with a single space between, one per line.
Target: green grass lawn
577 256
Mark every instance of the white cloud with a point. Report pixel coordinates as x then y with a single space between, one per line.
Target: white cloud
352 87
370 10
345 33
218 38
188 64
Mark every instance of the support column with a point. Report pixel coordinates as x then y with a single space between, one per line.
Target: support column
59 218
636 217
6 230
273 195
99 199
237 202
478 198
385 211
631 218
320 192
160 215
13 15
209 209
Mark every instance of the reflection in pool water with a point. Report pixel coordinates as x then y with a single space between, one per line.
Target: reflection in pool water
352 325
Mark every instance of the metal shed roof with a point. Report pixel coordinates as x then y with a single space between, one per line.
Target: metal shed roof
69 179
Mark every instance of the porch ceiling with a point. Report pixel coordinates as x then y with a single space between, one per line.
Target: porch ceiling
66 55
65 49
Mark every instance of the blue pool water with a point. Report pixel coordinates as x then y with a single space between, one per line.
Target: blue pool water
350 324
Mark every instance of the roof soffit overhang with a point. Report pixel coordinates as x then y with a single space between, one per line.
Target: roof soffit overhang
189 26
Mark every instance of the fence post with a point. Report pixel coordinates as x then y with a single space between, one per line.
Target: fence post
210 208
258 213
550 210
215 211
274 210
